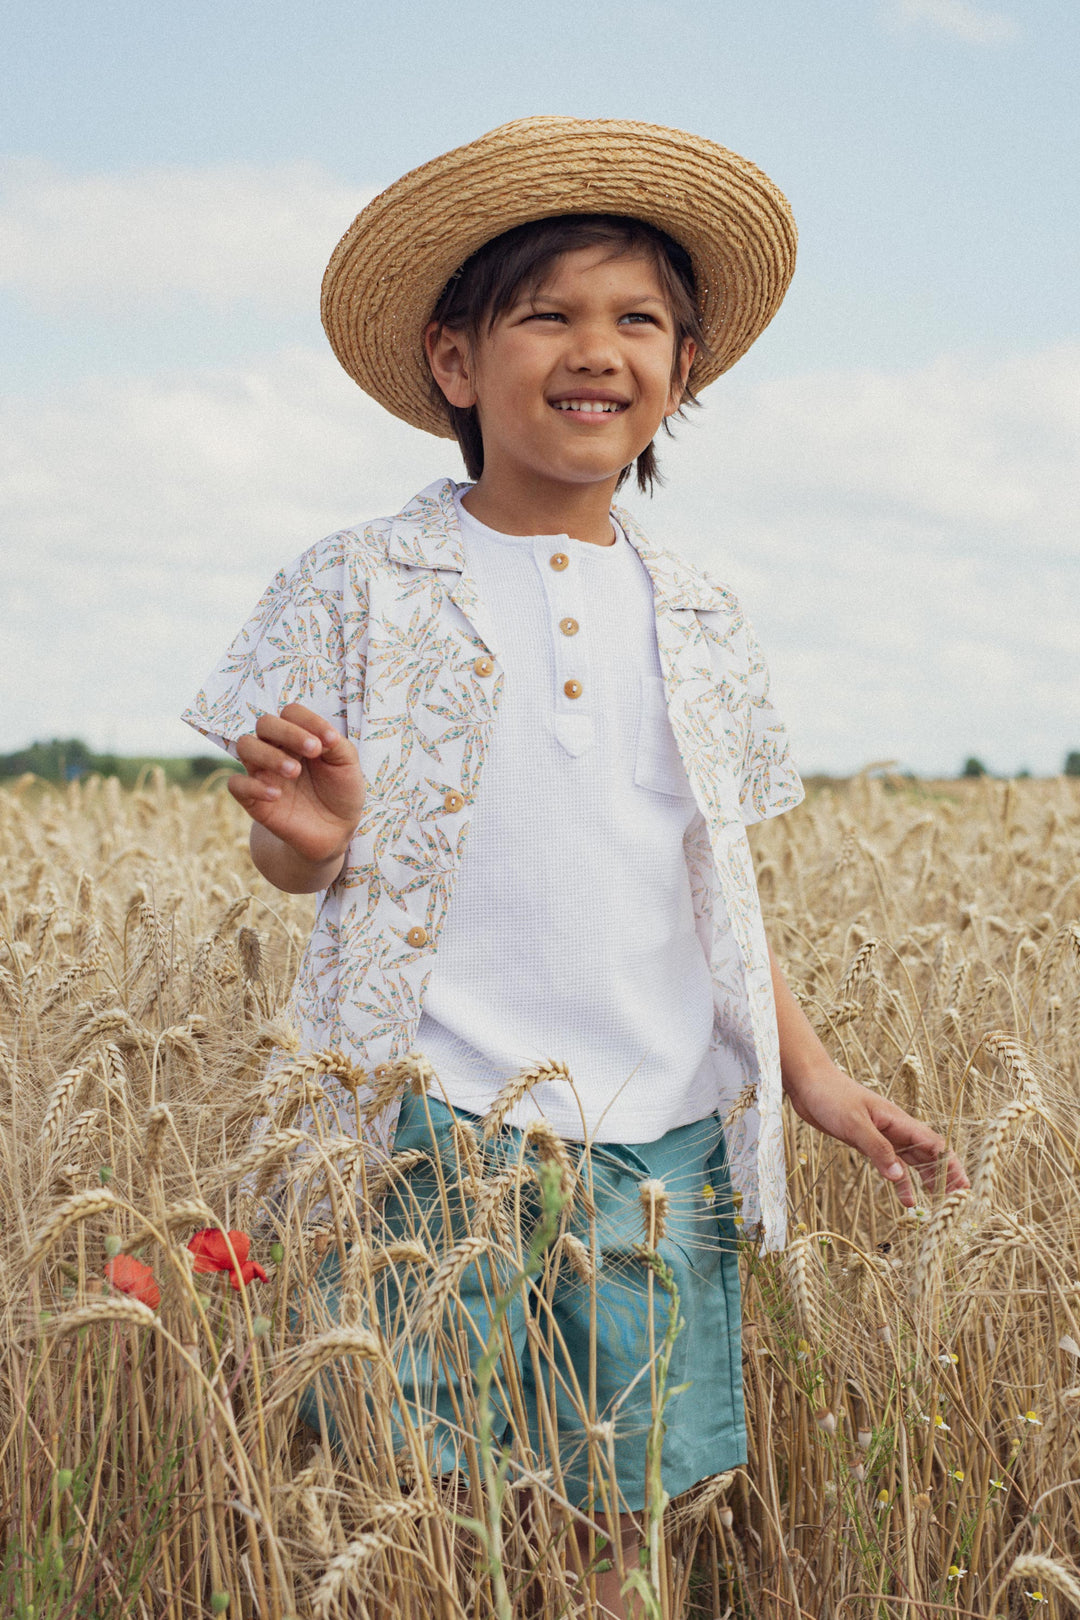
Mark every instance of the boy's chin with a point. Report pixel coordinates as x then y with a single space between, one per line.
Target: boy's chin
588 470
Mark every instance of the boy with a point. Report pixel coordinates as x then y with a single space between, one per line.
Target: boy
509 665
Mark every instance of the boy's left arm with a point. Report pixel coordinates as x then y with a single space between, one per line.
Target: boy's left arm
829 1099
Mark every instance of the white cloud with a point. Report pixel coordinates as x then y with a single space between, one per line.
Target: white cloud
110 243
960 18
906 544
908 547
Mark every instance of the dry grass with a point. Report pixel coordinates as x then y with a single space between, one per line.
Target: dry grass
912 1384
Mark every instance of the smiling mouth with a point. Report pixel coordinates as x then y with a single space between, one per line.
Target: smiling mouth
589 407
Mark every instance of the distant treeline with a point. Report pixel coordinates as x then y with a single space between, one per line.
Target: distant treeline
65 759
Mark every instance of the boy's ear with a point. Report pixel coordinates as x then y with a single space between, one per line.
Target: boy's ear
450 360
686 360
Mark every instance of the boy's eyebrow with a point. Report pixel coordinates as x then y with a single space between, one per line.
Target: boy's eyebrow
537 296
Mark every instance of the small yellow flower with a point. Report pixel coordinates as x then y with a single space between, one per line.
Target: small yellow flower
1031 1417
997 1484
955 1572
883 1498
940 1423
801 1158
738 1220
1036 1597
957 1473
801 1226
708 1192
949 1359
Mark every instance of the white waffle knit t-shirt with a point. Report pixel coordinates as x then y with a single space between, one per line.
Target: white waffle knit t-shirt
570 933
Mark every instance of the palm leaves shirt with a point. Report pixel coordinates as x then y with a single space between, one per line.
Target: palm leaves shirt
380 630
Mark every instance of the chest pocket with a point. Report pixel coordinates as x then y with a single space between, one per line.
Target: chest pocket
657 763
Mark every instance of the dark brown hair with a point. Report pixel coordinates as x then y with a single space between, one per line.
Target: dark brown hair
490 281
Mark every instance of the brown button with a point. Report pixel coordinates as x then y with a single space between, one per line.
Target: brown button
569 627
560 560
483 665
572 688
453 801
417 937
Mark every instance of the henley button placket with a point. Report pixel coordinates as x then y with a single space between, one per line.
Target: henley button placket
570 684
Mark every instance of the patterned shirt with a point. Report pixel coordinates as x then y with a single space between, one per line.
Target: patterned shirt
381 631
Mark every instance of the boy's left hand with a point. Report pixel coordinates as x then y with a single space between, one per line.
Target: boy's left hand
891 1139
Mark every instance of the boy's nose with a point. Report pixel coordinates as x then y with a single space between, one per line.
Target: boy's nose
592 352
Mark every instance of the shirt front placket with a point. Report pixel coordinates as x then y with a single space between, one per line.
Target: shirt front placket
562 565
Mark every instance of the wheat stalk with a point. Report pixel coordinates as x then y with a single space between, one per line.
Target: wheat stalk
798 1265
1047 1572
655 1203
444 1283
158 1120
1012 1057
334 1345
104 1310
929 1260
60 1098
342 1571
517 1088
577 1254
985 1178
80 1206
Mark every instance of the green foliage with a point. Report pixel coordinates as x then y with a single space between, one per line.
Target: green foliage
1072 762
66 759
973 767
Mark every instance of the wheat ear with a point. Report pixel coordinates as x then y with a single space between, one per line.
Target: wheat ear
517 1088
79 1207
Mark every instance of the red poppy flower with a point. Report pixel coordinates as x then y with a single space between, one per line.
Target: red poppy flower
212 1254
132 1277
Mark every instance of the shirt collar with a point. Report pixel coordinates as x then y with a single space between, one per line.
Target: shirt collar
426 534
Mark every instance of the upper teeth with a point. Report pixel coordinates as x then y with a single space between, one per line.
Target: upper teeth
587 405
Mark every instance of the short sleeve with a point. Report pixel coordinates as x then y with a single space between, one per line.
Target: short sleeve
303 644
770 783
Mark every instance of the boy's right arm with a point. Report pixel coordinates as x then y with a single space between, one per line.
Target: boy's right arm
304 791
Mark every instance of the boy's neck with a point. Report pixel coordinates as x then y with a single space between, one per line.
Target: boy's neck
528 506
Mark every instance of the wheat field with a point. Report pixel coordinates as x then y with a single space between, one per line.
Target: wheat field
912 1381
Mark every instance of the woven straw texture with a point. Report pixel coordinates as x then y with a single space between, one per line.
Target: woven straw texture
389 268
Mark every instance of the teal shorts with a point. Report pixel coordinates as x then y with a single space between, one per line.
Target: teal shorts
584 1352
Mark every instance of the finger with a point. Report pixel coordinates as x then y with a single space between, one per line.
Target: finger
927 1153
938 1170
312 724
305 741
252 791
882 1155
921 1148
256 755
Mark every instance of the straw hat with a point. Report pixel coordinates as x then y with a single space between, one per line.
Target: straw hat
387 272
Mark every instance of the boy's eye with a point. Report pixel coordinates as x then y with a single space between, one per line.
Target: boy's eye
637 316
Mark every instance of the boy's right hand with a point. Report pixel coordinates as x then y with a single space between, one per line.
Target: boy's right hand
303 784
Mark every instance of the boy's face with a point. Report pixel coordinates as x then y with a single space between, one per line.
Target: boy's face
575 378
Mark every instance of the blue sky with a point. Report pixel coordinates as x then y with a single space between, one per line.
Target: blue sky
889 478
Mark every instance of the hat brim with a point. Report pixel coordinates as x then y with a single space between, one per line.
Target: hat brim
387 272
